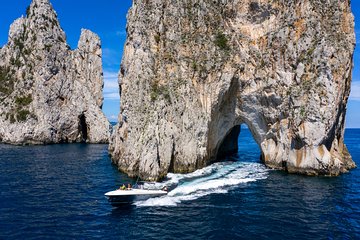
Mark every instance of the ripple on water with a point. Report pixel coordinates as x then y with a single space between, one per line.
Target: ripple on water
56 192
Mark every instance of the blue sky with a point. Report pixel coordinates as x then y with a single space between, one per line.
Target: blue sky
107 18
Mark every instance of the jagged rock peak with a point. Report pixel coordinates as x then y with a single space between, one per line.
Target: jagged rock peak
48 93
89 41
89 46
193 71
40 5
42 11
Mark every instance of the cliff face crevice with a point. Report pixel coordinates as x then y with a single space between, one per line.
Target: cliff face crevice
45 86
193 70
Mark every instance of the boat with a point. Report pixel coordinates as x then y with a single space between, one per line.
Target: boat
128 196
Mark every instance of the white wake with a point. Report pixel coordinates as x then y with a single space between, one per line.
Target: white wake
215 179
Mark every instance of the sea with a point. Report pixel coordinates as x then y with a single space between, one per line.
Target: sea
57 192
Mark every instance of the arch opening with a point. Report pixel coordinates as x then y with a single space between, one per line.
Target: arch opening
83 128
239 145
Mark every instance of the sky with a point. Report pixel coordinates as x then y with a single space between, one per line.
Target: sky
107 18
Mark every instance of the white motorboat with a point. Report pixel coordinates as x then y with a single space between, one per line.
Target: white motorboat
120 197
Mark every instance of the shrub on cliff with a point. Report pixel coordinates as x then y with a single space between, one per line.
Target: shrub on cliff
221 41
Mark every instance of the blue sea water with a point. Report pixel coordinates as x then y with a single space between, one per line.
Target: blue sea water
56 192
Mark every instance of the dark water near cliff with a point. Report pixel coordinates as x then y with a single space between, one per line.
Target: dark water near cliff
56 192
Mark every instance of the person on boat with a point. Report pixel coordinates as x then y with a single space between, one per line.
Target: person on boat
129 187
122 187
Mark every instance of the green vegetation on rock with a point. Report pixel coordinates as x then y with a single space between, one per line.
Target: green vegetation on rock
23 101
6 81
21 115
222 42
157 91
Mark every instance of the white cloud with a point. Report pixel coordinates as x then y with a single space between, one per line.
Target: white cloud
111 96
355 91
357 36
111 86
113 118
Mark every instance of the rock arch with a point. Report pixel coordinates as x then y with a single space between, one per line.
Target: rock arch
229 145
83 128
192 70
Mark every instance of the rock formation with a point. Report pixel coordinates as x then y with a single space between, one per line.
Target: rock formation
194 70
49 93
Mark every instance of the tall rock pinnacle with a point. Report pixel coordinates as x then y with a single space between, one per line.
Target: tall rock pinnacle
194 70
48 93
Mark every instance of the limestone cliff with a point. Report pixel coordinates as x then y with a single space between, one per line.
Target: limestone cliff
49 93
194 70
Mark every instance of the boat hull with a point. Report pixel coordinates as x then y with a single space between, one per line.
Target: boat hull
123 197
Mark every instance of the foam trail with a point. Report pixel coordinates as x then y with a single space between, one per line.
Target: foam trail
218 178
